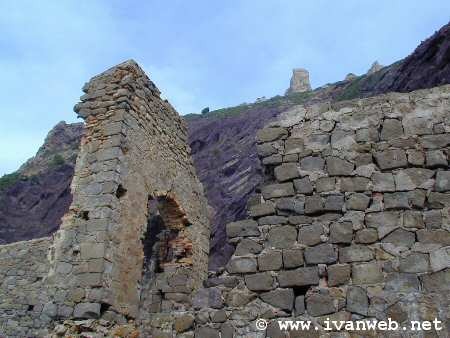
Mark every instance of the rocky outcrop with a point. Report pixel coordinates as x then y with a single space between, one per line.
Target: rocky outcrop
374 68
299 81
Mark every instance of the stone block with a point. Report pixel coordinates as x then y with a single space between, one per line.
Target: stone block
271 134
413 178
437 200
440 259
299 277
396 200
355 184
272 220
266 149
247 246
242 265
366 273
334 202
263 209
402 282
391 159
385 222
435 141
366 236
341 232
286 172
272 160
413 219
437 282
442 181
321 254
415 157
437 236
436 159
415 263
432 219
357 201
259 281
184 322
270 260
206 331
392 128
280 298
320 304
310 234
292 258
90 250
338 274
278 190
312 163
339 167
245 228
303 185
357 300
324 184
313 205
293 146
355 253
400 237
86 310
296 205
282 237
383 182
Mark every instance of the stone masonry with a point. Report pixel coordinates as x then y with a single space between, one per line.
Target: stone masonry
353 222
299 81
136 237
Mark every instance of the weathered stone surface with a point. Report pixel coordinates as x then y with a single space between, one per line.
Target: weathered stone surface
259 281
292 258
184 323
341 232
312 163
242 265
384 222
321 254
313 204
303 185
415 263
299 81
247 246
366 236
299 305
391 159
356 184
355 253
262 209
392 128
206 331
357 301
293 146
278 190
243 228
282 237
270 260
326 184
87 310
435 141
396 200
437 282
280 298
440 259
366 273
338 274
436 159
401 282
437 236
400 237
357 201
310 234
298 277
432 219
270 134
383 182
443 181
286 171
334 202
413 219
295 205
268 220
319 304
339 167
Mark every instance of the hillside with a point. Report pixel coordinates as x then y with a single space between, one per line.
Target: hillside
223 147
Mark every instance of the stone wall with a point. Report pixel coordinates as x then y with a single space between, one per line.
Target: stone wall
24 307
353 222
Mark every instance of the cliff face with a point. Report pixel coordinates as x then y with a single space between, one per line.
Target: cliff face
223 148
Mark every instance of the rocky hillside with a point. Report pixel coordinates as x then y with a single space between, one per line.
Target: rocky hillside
223 147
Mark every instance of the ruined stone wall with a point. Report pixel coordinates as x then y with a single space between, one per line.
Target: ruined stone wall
134 150
24 306
353 222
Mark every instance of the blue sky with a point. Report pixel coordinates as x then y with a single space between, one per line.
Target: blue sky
199 53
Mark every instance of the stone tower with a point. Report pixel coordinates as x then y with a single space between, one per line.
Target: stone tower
299 81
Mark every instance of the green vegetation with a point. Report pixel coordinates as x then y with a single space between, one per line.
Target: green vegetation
56 161
8 180
205 110
352 91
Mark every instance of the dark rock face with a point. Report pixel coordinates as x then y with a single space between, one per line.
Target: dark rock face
428 66
33 207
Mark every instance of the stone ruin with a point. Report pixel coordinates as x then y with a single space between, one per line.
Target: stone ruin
299 81
352 222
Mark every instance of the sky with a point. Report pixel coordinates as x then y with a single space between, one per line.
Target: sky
200 53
